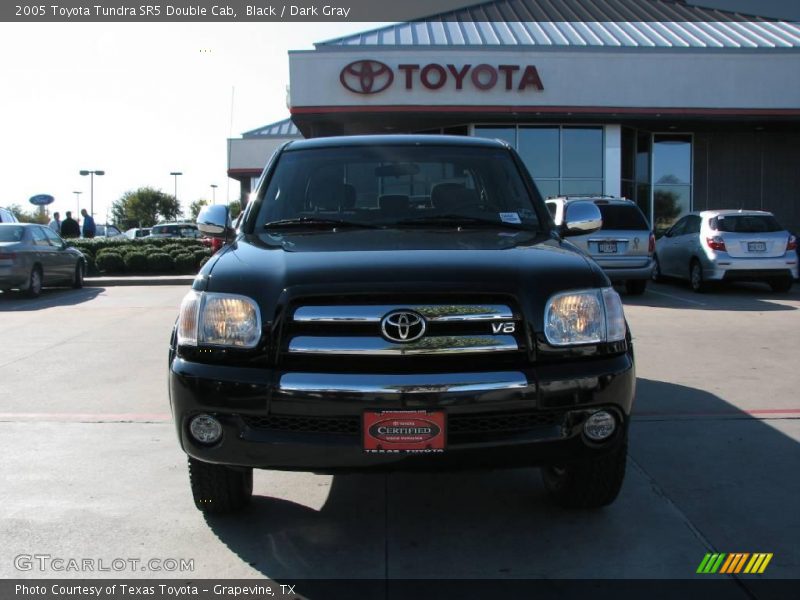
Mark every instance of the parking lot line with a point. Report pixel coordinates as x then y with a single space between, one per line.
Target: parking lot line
681 298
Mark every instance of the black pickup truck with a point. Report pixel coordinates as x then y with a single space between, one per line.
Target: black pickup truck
401 302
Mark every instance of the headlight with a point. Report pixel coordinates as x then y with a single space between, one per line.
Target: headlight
210 319
584 317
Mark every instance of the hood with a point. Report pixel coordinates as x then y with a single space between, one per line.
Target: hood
274 269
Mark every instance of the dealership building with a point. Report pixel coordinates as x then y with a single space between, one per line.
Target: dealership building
674 106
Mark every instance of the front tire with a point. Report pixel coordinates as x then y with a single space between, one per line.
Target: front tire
77 278
782 285
591 483
696 277
219 489
34 289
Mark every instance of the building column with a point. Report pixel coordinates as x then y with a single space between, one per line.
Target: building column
612 161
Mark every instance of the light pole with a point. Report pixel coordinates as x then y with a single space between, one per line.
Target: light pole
214 187
77 203
175 175
91 188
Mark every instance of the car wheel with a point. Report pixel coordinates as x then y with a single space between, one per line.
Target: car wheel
696 277
220 489
34 288
635 287
655 274
781 285
590 483
77 279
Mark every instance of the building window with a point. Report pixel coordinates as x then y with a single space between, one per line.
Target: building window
563 160
672 179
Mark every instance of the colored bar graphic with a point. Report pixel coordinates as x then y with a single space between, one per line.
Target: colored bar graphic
734 563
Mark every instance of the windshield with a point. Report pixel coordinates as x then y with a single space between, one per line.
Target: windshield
397 186
11 233
746 223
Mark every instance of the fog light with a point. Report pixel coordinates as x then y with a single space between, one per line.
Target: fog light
205 429
599 426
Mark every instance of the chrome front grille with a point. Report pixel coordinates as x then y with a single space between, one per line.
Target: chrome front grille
360 330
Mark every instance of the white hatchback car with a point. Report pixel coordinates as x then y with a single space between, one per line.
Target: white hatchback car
728 245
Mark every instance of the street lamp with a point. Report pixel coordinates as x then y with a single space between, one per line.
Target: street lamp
214 187
91 189
77 202
175 175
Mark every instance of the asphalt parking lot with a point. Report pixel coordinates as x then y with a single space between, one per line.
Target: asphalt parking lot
91 467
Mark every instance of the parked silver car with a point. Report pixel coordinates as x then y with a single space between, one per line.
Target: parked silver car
728 245
33 256
6 216
624 245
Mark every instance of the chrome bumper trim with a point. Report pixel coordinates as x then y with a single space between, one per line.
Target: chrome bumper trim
423 383
376 346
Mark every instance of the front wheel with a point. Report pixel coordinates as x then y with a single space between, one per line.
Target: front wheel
591 483
655 274
77 278
220 489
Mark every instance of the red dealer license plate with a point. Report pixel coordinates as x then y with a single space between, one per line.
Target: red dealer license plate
404 432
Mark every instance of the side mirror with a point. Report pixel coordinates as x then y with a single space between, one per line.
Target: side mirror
215 221
580 218
668 233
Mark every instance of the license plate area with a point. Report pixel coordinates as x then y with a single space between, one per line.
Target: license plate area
607 247
404 431
756 246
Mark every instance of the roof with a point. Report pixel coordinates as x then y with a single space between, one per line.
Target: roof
582 23
280 129
395 140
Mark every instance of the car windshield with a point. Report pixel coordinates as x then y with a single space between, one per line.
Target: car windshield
621 217
396 186
746 223
11 233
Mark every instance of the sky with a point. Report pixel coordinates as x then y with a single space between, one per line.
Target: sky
140 101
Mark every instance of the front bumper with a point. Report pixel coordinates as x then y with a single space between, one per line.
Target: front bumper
312 421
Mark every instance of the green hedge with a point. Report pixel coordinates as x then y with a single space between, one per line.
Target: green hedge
142 256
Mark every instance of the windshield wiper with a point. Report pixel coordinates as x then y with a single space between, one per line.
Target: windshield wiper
316 222
459 221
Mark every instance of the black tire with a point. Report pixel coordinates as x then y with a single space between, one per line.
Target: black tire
77 278
655 274
635 287
696 281
781 285
34 288
590 483
219 489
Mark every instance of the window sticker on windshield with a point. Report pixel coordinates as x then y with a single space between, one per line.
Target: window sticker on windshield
510 217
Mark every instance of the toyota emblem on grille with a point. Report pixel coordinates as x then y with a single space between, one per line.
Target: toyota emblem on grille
403 326
366 76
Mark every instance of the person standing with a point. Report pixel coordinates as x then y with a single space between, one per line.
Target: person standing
89 228
55 223
70 227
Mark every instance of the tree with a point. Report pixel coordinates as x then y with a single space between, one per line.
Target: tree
235 208
144 208
195 208
38 215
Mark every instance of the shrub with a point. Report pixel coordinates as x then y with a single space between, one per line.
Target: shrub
199 255
135 261
185 263
110 262
160 261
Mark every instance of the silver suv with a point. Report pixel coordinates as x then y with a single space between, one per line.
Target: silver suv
623 247
728 245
